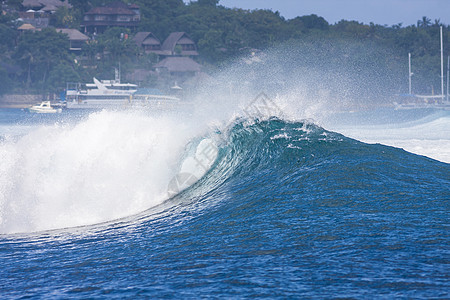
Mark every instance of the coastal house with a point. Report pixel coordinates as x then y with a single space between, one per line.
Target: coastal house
148 42
76 38
38 12
115 14
179 43
176 44
177 68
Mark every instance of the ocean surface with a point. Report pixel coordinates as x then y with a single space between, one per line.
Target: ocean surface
132 204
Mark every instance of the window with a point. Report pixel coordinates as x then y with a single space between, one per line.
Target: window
123 18
100 18
188 47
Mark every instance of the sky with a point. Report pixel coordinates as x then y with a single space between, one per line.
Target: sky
382 12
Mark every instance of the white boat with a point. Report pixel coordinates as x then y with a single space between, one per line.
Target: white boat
153 99
100 94
104 94
44 107
422 102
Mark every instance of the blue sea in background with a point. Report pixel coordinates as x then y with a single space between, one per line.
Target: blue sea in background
287 209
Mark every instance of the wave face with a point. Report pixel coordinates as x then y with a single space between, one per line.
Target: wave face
285 210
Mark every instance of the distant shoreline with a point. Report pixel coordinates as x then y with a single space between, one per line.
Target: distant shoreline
19 101
12 105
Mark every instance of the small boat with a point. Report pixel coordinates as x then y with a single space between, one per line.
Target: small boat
44 107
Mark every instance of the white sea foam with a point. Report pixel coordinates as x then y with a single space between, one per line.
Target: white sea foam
111 165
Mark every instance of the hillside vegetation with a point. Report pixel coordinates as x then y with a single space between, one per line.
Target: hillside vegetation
44 64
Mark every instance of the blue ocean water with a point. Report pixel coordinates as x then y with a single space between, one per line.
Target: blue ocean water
287 210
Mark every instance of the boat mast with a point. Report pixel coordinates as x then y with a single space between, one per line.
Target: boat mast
448 73
117 74
442 66
410 74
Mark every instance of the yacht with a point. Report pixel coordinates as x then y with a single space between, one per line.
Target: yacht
100 94
44 107
104 94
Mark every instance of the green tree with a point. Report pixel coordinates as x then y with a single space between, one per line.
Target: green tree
17 4
6 84
90 50
264 27
60 75
8 37
352 29
66 18
38 52
117 43
314 22
424 22
157 15
212 45
81 5
208 2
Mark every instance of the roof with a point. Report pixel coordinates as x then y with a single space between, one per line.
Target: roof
110 11
185 40
42 3
178 64
151 41
146 38
172 40
26 27
114 8
117 4
31 3
74 34
50 7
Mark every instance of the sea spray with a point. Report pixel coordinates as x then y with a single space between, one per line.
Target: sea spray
111 165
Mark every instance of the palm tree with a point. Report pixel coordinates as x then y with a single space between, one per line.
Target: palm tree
30 58
425 22
437 23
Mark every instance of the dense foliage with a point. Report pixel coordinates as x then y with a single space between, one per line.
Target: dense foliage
222 34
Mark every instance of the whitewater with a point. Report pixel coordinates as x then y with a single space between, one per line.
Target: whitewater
99 169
